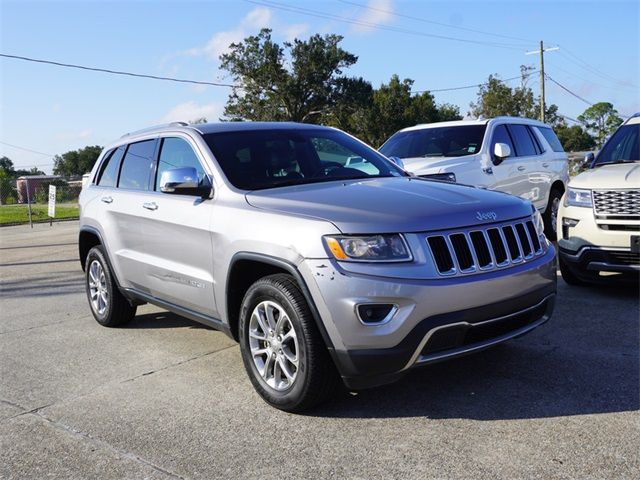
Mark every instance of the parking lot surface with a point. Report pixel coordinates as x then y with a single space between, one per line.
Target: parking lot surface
167 398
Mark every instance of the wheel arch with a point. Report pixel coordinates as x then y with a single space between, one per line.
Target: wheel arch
87 239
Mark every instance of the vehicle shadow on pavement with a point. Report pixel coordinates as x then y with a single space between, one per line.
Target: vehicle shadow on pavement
160 320
574 365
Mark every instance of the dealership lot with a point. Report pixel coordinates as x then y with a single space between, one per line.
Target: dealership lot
167 398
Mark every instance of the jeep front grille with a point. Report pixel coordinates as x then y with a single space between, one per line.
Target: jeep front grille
484 249
617 203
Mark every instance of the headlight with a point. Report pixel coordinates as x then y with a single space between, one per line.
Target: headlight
445 177
538 222
578 198
369 248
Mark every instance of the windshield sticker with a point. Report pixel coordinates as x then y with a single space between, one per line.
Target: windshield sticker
471 149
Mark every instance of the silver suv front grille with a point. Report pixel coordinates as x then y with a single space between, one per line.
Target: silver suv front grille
484 249
617 202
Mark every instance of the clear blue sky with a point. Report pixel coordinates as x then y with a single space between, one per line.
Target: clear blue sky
52 110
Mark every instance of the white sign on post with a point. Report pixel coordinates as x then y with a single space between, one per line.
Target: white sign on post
52 201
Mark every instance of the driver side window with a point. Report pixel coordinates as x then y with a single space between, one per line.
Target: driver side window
501 135
177 153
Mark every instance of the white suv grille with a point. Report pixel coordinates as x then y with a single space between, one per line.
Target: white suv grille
617 202
485 248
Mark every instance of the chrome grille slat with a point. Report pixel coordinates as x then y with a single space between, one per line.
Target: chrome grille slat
449 245
616 203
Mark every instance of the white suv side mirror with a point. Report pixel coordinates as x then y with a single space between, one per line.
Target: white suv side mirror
501 151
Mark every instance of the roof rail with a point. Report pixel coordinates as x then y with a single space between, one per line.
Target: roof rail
156 127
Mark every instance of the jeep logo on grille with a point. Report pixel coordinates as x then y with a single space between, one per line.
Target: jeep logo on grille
487 216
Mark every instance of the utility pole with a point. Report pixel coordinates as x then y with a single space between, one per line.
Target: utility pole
542 98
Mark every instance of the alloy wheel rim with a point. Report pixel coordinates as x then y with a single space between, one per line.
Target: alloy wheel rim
98 288
274 345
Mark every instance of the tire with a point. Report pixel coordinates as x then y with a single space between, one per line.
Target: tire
108 306
550 215
282 349
567 275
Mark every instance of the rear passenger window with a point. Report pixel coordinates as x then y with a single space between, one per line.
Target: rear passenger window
177 153
523 141
551 138
109 175
136 166
501 135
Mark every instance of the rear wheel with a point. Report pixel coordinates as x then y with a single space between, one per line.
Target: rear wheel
109 307
282 350
550 215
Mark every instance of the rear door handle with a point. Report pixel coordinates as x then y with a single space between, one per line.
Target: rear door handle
150 205
106 199
545 164
521 168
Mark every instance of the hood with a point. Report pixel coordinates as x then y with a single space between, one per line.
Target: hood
392 205
619 175
419 165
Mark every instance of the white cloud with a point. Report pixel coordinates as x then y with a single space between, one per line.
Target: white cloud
378 12
292 32
73 136
187 111
256 19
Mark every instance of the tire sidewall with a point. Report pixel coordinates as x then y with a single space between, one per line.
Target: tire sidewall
550 226
256 294
96 254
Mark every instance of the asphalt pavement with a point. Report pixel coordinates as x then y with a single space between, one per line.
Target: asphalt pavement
165 397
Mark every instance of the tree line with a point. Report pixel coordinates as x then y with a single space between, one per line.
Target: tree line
304 81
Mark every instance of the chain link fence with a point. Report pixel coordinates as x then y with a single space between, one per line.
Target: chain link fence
26 199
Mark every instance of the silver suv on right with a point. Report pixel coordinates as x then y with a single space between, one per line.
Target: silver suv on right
323 259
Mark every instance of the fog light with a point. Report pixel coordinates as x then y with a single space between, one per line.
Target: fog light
375 313
566 224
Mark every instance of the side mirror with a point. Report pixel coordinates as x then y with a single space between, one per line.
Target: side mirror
500 152
397 161
184 181
588 159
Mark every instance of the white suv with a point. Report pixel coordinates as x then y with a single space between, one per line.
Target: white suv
519 156
600 214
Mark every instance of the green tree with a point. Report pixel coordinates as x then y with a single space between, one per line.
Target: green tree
299 81
76 162
574 138
601 119
6 164
6 185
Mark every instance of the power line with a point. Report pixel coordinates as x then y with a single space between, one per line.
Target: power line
116 72
475 85
27 150
569 91
329 16
424 20
593 70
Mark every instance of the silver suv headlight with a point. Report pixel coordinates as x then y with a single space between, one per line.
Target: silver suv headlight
577 197
369 248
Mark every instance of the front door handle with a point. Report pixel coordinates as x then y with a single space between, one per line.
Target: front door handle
545 165
521 168
150 205
106 199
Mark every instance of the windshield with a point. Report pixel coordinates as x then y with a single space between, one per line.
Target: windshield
623 146
257 159
455 141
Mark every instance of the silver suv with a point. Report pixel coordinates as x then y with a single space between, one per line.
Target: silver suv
322 258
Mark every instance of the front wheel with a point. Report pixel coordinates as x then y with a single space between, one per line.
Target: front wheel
282 350
567 275
550 215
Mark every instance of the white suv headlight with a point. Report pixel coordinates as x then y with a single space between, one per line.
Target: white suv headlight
577 197
369 248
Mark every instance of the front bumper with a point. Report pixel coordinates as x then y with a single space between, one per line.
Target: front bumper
435 319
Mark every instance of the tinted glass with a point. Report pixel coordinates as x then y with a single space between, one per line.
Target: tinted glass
177 153
136 165
455 141
536 140
624 146
551 138
523 141
501 135
109 175
257 159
